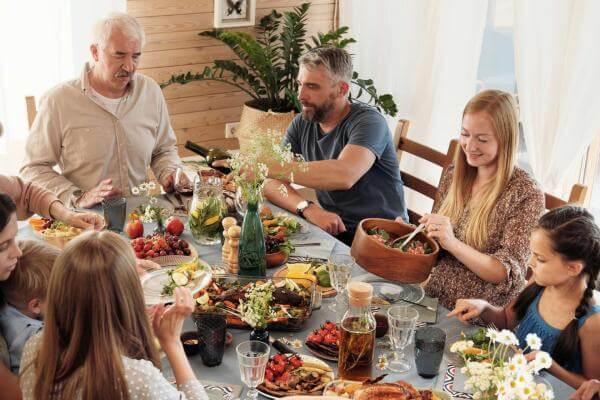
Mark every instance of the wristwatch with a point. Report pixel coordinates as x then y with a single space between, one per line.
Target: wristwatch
302 206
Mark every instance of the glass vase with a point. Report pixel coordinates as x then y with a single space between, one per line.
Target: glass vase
252 251
260 334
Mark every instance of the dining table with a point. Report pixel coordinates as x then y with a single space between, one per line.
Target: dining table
320 245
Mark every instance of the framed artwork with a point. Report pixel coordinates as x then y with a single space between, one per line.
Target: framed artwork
231 13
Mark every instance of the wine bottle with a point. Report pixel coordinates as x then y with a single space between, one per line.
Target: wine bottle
211 155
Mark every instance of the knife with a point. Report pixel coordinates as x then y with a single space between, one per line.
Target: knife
281 347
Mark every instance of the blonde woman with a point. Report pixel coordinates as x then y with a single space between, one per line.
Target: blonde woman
485 210
97 341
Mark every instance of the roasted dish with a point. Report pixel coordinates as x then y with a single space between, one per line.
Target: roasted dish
375 390
325 340
290 305
288 375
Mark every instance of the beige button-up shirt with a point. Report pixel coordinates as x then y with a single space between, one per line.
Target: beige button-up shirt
73 130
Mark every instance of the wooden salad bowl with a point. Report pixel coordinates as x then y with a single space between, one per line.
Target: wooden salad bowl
390 263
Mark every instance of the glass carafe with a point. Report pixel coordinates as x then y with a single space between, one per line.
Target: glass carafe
357 339
207 210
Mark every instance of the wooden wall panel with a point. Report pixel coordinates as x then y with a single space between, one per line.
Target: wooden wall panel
200 110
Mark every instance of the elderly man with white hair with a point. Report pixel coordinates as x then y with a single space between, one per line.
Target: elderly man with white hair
105 128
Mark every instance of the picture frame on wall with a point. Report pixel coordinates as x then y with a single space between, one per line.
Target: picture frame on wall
233 13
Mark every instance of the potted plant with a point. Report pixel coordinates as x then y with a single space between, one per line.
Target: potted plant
268 68
278 250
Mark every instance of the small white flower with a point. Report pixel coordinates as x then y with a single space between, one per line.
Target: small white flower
492 334
533 341
543 360
135 191
151 185
153 201
507 338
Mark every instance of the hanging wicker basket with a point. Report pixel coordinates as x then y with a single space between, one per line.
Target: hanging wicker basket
254 120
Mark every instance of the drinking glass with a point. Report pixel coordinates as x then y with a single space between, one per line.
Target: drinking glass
182 183
115 211
402 321
252 356
340 269
211 337
429 350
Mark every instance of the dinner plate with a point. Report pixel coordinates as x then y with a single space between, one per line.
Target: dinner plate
321 355
326 292
304 357
154 281
395 291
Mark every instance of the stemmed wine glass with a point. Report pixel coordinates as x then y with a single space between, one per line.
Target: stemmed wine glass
252 356
340 269
181 182
402 321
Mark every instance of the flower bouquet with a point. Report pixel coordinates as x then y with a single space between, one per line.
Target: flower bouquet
492 374
250 169
151 211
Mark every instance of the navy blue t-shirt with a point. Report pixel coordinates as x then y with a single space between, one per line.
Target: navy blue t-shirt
379 192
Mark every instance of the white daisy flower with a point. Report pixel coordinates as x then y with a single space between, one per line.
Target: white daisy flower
507 338
151 185
543 360
135 191
533 341
492 334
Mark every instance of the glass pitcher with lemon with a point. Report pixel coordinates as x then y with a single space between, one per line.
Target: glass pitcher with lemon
207 210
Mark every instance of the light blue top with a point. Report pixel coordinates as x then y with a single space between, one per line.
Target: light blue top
534 323
17 328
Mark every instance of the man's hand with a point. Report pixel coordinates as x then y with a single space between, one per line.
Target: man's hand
167 182
104 190
328 221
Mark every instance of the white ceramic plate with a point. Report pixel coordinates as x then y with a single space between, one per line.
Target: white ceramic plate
393 290
154 281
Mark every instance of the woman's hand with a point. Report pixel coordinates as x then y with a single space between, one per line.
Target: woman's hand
85 220
168 322
467 309
587 391
142 266
439 227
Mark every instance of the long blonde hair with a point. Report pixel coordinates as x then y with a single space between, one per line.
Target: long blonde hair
95 316
501 109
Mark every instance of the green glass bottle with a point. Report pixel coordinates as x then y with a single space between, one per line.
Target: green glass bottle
252 251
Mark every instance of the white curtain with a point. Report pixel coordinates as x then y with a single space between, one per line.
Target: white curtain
557 65
426 53
42 42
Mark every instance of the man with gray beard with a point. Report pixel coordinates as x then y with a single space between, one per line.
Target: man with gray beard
352 161
106 128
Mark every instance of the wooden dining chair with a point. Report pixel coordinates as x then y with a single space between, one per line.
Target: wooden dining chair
577 196
31 109
404 144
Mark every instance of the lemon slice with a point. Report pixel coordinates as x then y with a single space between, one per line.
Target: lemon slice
180 279
297 269
211 220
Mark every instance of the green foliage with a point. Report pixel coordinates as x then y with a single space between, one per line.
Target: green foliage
268 63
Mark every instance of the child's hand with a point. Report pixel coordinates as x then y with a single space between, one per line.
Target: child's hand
587 390
467 309
168 322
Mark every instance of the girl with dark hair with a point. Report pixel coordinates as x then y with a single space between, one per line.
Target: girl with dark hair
558 304
9 253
